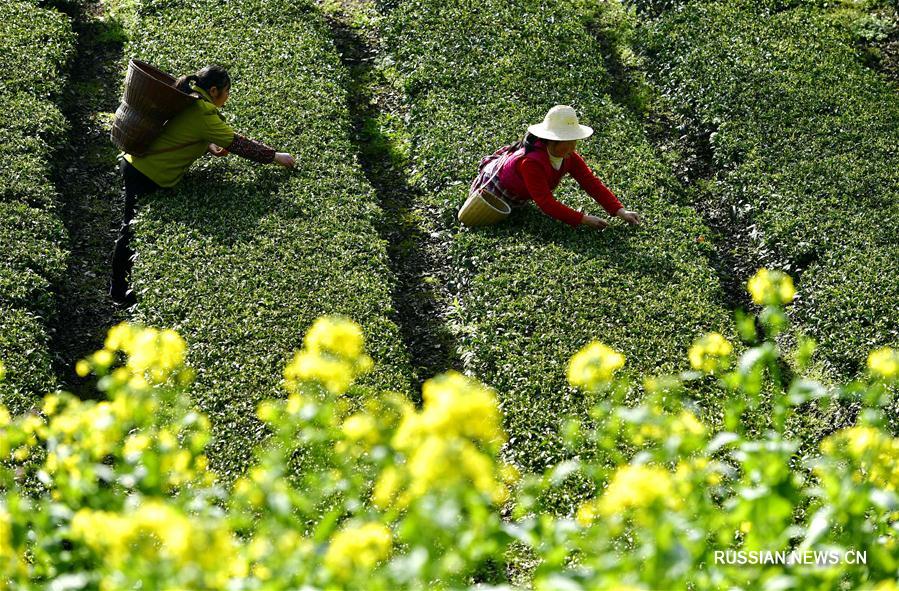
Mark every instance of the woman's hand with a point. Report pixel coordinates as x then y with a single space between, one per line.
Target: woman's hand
284 159
217 151
631 217
594 222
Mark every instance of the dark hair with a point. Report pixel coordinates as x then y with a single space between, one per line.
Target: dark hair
530 142
206 78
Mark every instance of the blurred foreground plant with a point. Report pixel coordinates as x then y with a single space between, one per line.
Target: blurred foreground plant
355 490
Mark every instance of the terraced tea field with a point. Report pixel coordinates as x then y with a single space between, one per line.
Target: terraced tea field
747 134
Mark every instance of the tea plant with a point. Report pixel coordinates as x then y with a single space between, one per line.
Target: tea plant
35 45
802 140
241 258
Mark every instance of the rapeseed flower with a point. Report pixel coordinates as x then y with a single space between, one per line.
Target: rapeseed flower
440 463
771 287
333 356
710 353
358 547
593 366
442 442
361 428
884 362
337 336
158 533
387 486
152 356
632 487
454 406
335 374
686 423
874 454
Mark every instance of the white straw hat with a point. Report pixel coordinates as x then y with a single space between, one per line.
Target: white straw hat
561 124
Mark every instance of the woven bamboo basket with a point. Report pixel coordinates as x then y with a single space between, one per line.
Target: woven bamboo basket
150 100
483 208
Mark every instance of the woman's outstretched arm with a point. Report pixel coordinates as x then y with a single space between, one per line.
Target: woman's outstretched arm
592 185
258 152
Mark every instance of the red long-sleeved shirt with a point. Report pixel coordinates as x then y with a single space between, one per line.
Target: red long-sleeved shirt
539 186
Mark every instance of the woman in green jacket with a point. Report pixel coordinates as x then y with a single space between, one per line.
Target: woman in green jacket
199 129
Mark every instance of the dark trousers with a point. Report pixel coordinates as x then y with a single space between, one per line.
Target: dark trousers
135 185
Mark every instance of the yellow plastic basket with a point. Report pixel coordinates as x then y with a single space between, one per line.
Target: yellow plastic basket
483 208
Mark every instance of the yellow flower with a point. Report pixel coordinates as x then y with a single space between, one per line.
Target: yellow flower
593 366
159 353
636 487
335 335
135 445
874 454
333 356
103 358
358 547
51 404
884 362
6 549
861 439
509 473
294 404
119 337
386 488
267 411
710 353
82 368
4 415
335 374
771 287
360 427
687 424
153 356
157 533
442 442
587 512
454 406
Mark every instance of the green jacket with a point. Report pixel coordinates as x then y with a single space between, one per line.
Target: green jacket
194 129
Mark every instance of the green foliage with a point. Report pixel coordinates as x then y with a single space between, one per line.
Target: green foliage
803 141
531 291
35 45
371 493
24 344
242 257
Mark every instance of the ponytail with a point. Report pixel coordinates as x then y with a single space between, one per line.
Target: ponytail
184 83
206 78
529 143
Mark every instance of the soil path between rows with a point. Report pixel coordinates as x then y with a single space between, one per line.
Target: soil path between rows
88 182
414 255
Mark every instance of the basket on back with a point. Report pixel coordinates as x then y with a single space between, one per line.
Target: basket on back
150 100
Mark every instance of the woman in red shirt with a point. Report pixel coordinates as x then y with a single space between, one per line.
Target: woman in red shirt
535 167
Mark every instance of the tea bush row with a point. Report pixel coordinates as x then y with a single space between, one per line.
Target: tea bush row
531 291
802 138
241 257
35 46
